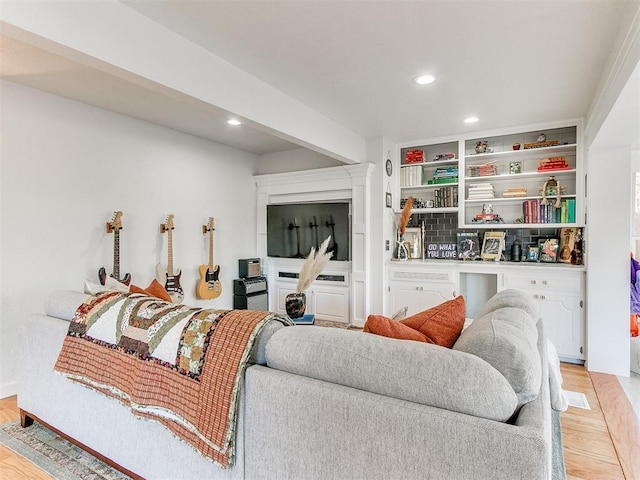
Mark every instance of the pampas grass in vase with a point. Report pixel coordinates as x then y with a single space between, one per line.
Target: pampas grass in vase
402 252
295 303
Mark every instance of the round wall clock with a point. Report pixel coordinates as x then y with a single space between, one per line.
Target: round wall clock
389 167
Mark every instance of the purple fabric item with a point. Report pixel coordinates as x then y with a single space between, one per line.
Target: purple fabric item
635 287
635 266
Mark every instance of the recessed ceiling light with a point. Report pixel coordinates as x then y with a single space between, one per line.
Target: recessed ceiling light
233 121
424 79
471 120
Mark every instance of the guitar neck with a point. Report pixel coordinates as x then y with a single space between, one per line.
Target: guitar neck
170 253
116 254
211 250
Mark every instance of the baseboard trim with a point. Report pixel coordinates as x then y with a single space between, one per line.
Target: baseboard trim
8 389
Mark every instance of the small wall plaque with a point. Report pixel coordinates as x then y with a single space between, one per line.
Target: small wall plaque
442 250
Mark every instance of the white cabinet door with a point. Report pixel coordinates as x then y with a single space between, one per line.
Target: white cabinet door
330 303
558 296
419 297
419 289
563 322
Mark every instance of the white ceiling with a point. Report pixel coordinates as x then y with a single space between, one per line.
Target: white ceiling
509 63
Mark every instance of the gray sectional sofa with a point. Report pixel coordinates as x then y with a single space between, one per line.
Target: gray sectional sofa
325 403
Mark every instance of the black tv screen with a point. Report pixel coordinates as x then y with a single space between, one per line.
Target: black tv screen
292 229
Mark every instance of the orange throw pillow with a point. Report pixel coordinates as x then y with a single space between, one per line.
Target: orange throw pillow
386 327
441 324
155 289
634 325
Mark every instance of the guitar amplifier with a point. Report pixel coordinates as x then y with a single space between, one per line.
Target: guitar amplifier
249 286
249 267
258 301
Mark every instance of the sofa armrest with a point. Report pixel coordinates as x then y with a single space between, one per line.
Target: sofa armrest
417 372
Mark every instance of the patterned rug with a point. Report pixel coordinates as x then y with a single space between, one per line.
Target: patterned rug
56 456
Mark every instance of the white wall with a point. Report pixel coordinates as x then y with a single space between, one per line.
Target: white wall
608 232
293 161
66 166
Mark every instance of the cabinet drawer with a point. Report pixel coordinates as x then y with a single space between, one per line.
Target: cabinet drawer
543 280
423 275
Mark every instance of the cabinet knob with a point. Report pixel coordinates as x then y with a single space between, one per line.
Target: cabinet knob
544 282
542 297
535 296
454 294
533 282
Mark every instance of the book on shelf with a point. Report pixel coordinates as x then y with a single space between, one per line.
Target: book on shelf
553 164
550 143
534 211
414 155
485 170
514 192
445 197
468 245
480 191
411 176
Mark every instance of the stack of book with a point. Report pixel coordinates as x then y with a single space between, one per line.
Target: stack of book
535 212
552 164
484 170
481 191
414 155
411 176
514 192
445 175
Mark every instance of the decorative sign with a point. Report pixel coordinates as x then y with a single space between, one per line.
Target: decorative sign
442 250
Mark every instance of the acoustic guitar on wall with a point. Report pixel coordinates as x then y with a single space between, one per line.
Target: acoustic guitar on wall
114 226
167 276
209 285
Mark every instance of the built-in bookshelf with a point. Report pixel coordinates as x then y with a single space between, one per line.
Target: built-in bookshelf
523 179
430 174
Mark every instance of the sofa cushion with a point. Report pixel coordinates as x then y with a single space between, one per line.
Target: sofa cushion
441 324
155 289
64 303
507 339
510 298
379 325
417 372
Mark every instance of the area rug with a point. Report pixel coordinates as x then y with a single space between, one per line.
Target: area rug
55 455
559 470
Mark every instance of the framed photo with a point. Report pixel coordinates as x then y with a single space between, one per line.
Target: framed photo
468 246
414 243
515 167
492 246
389 199
548 250
568 237
533 254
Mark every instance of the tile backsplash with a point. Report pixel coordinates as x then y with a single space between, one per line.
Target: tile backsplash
443 227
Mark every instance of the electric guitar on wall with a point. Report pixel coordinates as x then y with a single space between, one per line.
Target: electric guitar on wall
168 277
209 285
114 226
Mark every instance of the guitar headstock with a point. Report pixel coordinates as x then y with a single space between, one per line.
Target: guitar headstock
208 227
168 225
115 224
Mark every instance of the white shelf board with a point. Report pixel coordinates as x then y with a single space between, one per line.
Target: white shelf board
511 199
427 187
515 176
568 148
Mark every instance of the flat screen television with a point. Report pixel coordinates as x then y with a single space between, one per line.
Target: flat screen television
292 229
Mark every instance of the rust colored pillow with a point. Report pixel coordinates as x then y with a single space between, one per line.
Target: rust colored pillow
633 324
155 289
386 327
441 324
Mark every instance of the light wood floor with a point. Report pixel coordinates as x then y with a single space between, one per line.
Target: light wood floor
601 443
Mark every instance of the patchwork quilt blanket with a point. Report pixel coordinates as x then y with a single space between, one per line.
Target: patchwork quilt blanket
177 365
